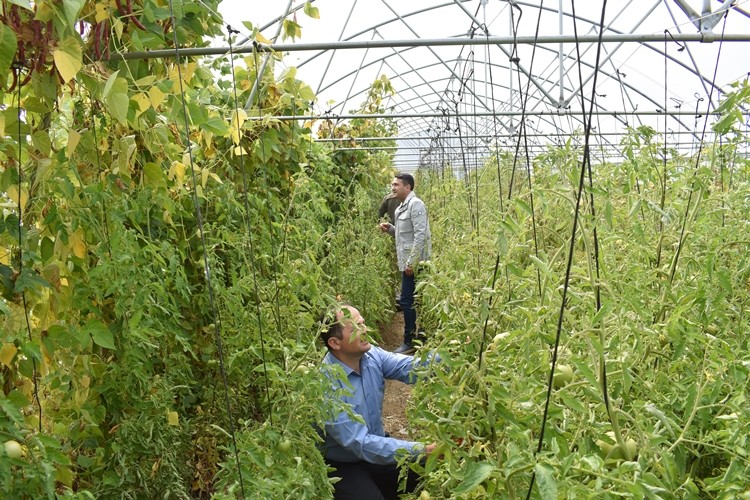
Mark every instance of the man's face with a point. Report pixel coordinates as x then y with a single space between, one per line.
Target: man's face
400 189
354 336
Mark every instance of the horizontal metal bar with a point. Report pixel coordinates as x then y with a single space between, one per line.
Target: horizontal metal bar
563 112
465 137
430 42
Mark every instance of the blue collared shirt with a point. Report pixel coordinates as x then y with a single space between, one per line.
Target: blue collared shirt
349 441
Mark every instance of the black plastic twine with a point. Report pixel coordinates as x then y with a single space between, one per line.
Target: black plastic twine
207 267
17 68
249 228
587 165
582 176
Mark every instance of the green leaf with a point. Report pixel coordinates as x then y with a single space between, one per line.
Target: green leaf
11 406
100 334
153 176
72 8
68 58
32 351
306 93
311 11
476 474
8 47
26 4
42 142
29 280
545 481
216 125
602 313
118 101
47 248
110 83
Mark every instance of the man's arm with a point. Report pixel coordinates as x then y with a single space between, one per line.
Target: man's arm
401 367
356 439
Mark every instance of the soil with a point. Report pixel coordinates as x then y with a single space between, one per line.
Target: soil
396 393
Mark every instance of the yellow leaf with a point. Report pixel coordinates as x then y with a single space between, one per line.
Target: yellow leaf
261 39
239 151
173 418
73 139
118 27
143 101
2 125
12 193
68 58
77 244
235 135
7 353
238 118
102 12
85 381
177 172
156 96
204 177
186 70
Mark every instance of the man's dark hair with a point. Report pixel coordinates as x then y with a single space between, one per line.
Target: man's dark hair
407 178
330 325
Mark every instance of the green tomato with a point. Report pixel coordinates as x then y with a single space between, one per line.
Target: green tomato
604 446
285 445
13 449
563 376
631 450
712 329
425 495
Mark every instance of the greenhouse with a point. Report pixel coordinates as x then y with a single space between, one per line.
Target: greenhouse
226 223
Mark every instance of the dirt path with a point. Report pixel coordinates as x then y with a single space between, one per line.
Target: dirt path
396 393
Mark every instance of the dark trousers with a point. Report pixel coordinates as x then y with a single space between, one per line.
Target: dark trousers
366 481
408 283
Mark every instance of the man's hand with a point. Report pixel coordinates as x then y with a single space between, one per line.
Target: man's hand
409 271
430 448
384 226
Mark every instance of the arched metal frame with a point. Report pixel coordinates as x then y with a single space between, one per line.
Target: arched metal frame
376 37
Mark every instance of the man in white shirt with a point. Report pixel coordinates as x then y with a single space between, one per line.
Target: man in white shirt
413 244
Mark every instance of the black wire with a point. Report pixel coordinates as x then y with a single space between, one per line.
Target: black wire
571 249
207 267
17 67
249 228
587 164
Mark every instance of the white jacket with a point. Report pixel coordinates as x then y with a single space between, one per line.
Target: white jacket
412 233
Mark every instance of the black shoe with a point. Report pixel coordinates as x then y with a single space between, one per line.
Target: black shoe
405 349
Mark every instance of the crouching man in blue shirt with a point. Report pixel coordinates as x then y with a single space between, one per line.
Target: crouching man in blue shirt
362 454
